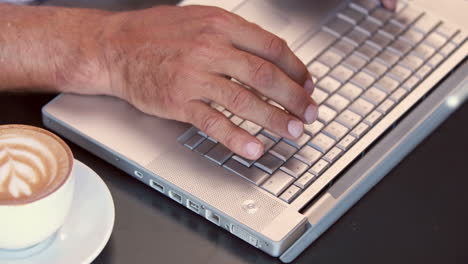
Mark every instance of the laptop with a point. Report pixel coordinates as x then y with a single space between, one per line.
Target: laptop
384 81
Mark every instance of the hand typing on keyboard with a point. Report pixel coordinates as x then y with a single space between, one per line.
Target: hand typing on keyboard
172 62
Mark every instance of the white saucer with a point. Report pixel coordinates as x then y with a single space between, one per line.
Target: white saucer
85 232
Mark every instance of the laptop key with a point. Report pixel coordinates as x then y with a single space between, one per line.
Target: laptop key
426 24
204 147
319 96
388 57
387 84
341 73
283 151
326 114
271 135
268 163
361 107
337 102
446 30
308 155
350 91
338 26
386 106
318 69
346 142
343 46
398 94
435 40
351 15
411 83
252 174
407 16
335 130
382 15
359 130
380 39
330 58
329 84
314 128
369 26
373 118
294 167
250 127
424 51
314 46
367 51
219 154
435 60
267 142
243 161
356 36
355 62
298 143
348 118
364 6
374 95
277 183
412 62
447 49
363 80
322 143
290 194
319 167
400 73
305 180
413 36
194 141
423 71
392 29
401 46
236 120
333 154
376 68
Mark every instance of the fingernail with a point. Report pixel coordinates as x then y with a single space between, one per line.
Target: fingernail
390 4
295 128
253 149
309 87
310 114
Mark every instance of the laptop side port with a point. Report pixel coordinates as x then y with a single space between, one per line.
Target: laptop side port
159 187
175 196
212 217
193 206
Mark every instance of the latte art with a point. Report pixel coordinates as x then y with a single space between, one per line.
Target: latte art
31 163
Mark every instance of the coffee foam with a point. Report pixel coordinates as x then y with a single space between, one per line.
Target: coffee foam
31 164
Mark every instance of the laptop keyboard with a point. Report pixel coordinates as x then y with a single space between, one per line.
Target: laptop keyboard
371 59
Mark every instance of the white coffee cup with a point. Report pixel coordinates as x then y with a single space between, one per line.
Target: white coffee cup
27 221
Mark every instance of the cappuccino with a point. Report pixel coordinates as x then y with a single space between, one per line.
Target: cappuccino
33 164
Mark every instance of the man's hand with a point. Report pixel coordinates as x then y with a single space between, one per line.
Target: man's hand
171 61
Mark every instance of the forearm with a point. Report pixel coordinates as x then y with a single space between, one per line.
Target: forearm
49 49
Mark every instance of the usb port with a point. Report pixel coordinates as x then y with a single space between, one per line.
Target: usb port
212 217
157 186
175 196
193 206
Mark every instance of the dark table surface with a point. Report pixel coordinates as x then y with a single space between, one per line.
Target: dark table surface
416 214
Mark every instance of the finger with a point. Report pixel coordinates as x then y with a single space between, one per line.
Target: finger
253 39
217 126
269 80
244 103
390 4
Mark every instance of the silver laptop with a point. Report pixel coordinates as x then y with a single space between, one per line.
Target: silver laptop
384 81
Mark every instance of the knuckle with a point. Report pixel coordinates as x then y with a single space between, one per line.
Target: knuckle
211 123
241 100
230 139
217 19
263 74
276 47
